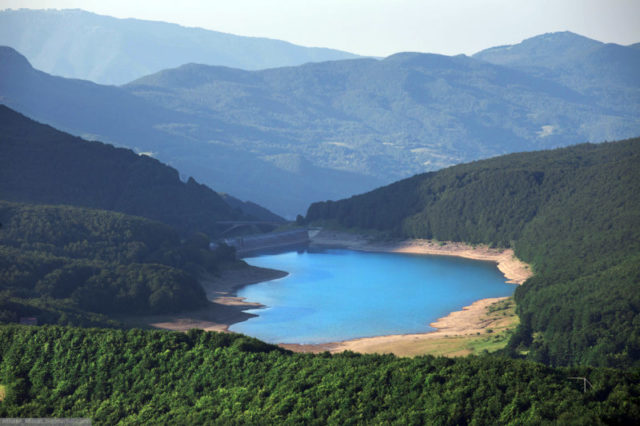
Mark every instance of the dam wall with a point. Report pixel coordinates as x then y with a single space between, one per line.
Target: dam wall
247 244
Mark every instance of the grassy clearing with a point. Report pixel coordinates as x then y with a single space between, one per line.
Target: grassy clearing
3 393
499 322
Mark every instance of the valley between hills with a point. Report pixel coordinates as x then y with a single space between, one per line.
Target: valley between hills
471 321
133 183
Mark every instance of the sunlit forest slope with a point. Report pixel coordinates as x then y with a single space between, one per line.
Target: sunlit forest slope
154 377
573 213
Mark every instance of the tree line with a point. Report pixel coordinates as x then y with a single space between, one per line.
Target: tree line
573 213
69 265
136 376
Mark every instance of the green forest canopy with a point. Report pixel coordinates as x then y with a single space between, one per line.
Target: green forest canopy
66 264
200 377
573 213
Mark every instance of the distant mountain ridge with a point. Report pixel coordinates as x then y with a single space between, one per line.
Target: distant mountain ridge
112 115
286 137
546 50
390 118
39 164
79 44
588 66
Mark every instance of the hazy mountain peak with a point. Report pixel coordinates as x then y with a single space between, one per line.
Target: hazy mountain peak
576 61
193 75
412 56
79 44
562 37
431 60
545 49
10 57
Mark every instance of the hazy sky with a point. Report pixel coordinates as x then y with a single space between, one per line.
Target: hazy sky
382 27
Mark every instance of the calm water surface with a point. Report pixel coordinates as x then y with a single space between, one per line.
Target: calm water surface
333 295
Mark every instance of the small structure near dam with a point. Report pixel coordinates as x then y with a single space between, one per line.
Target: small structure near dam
275 240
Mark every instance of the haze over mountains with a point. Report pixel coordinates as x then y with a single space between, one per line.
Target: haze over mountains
42 165
564 350
286 137
80 44
608 72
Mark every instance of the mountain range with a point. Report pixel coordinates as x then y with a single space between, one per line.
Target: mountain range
286 137
107 50
112 115
124 237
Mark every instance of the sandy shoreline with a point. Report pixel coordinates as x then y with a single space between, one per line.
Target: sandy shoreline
226 308
516 271
471 320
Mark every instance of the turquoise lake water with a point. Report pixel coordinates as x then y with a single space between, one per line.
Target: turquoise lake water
334 294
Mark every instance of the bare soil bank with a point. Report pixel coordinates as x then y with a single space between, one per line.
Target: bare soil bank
224 309
516 271
471 321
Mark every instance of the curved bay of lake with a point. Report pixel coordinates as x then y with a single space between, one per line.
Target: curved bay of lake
334 294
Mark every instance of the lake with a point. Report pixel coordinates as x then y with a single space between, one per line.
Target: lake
335 294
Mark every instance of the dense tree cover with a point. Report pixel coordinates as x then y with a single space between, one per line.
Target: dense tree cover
58 262
200 377
39 164
573 213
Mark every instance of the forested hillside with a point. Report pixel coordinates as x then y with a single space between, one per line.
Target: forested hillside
573 213
40 164
197 377
72 265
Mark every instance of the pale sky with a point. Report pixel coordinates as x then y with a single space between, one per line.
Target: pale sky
381 27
